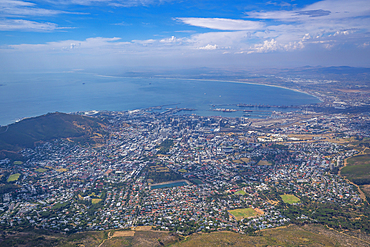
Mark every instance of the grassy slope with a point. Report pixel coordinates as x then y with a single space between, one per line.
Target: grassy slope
308 235
28 132
33 237
13 177
311 235
358 171
290 198
358 167
243 213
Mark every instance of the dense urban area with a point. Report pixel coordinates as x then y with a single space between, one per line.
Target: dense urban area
188 173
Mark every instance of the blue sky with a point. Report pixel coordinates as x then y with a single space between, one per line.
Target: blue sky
82 34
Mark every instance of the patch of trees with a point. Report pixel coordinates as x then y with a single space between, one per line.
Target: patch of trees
165 146
360 181
159 177
157 174
331 215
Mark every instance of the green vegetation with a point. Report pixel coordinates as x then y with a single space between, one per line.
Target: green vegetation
264 163
62 170
240 192
165 146
60 206
41 170
359 174
14 177
243 213
183 170
238 161
290 199
28 239
159 173
37 237
359 159
279 146
358 169
309 235
31 131
95 200
245 160
339 217
6 188
360 144
196 181
17 162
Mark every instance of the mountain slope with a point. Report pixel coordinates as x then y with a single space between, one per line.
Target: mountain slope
31 131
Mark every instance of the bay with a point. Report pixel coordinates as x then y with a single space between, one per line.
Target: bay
33 94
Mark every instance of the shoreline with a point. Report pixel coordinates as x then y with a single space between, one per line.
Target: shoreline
232 81
17 118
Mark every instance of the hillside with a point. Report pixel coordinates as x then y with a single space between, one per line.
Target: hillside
293 235
31 131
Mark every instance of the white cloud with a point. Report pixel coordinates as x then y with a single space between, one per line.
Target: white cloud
222 24
314 26
25 25
144 42
14 12
327 9
265 47
9 3
115 3
291 46
171 40
197 50
336 22
11 8
122 24
307 36
282 4
224 40
364 45
68 45
328 46
341 33
272 45
208 47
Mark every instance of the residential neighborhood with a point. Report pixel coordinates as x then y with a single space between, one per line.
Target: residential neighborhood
187 173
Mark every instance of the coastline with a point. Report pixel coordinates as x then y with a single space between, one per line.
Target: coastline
232 81
11 117
252 83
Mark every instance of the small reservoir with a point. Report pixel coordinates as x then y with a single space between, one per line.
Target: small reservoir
169 184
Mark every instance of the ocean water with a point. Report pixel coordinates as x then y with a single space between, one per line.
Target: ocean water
33 94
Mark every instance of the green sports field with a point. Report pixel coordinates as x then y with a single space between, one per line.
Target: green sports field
290 199
240 192
41 170
13 177
243 213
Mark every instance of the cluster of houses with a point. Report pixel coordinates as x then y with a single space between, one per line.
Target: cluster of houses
227 164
